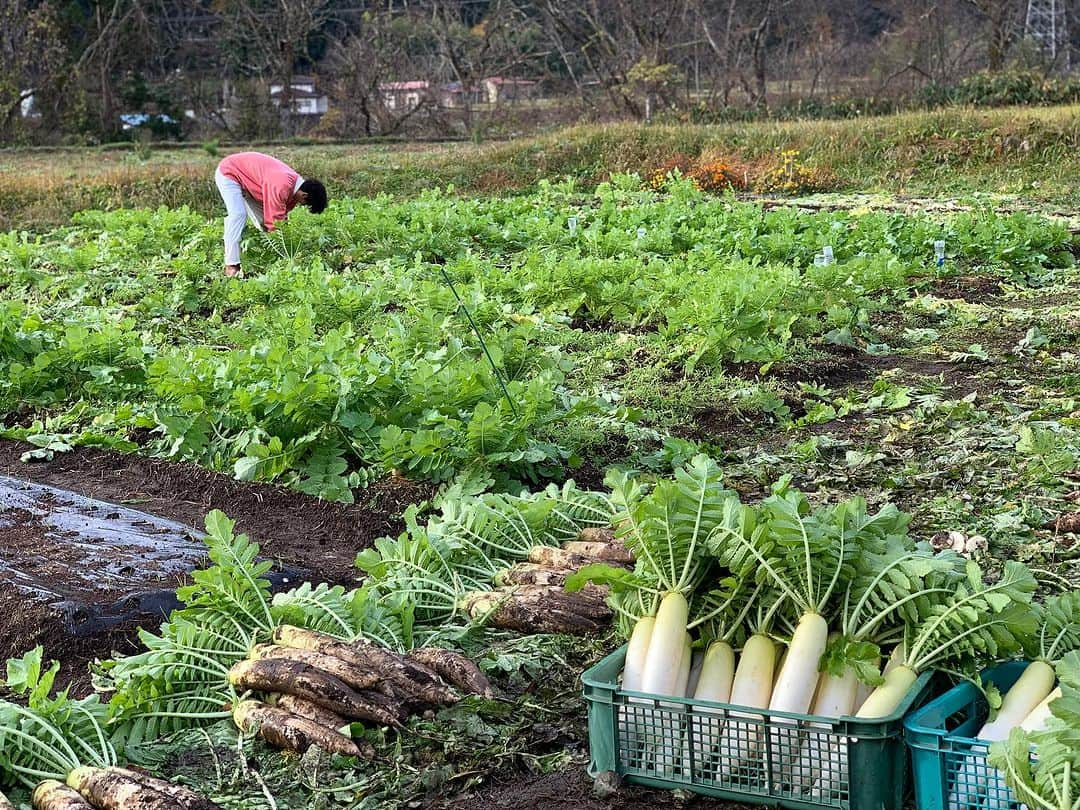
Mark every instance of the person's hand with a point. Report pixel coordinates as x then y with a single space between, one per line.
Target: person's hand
232 270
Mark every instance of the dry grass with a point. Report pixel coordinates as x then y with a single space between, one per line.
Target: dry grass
1034 152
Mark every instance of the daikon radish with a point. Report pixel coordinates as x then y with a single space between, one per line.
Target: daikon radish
668 741
714 685
633 669
717 673
796 684
863 690
896 658
1037 718
885 698
685 661
662 672
660 675
1030 690
820 756
636 650
751 687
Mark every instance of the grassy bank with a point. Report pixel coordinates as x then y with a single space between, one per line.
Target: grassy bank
1034 152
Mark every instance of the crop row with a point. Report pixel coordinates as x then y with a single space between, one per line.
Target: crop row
369 338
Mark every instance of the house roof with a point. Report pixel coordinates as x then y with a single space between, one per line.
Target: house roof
398 86
298 92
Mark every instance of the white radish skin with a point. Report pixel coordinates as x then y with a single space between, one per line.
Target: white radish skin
697 660
636 651
1029 691
752 687
780 660
685 662
714 685
1037 719
717 673
670 742
633 669
836 695
896 658
797 681
666 644
796 684
884 700
684 691
881 702
835 698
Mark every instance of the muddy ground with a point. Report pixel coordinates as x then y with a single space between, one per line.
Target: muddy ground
299 532
571 789
295 529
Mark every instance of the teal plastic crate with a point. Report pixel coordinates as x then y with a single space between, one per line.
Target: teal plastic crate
950 766
746 755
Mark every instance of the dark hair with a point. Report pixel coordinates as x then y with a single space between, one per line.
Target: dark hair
316 195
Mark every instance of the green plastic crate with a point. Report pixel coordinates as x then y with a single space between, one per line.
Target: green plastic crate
951 771
746 755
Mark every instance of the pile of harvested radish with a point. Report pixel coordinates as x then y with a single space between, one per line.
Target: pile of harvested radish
1040 759
530 597
115 789
781 607
313 685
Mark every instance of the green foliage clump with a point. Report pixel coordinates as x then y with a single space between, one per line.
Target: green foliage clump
346 354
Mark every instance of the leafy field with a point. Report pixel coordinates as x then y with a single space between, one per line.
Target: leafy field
350 354
507 344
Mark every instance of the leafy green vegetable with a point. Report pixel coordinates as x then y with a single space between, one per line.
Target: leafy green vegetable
346 355
51 734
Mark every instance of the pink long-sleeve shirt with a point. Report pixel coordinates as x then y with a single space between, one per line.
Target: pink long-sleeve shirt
271 182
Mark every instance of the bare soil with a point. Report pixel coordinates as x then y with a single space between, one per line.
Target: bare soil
719 424
973 289
301 533
27 623
570 789
298 530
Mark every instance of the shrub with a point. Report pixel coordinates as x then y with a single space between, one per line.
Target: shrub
794 177
1004 89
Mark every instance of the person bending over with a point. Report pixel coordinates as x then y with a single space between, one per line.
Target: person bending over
265 189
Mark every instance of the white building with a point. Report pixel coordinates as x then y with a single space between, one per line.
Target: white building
404 96
27 107
304 97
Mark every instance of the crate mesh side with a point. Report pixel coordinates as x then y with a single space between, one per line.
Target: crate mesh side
742 752
971 783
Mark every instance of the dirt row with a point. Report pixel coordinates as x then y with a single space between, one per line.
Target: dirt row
301 533
296 529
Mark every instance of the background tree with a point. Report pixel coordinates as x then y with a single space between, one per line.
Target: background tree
34 65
